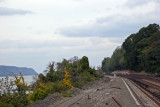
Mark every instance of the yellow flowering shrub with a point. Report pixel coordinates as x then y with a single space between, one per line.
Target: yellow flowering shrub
67 80
21 85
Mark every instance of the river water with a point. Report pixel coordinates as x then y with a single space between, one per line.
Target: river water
27 79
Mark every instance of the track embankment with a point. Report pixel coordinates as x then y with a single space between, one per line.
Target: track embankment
109 92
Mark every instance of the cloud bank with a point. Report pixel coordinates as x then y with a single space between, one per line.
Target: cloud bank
10 11
130 17
137 3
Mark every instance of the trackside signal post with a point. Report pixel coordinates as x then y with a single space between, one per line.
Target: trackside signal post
114 75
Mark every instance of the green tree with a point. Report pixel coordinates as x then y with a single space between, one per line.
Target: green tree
105 64
51 67
140 51
84 63
136 47
41 77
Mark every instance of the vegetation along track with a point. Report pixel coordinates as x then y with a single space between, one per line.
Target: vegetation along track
87 94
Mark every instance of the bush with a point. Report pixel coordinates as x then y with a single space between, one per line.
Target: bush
59 86
16 98
41 77
79 83
41 91
54 76
85 76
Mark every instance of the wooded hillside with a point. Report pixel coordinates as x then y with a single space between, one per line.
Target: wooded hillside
139 52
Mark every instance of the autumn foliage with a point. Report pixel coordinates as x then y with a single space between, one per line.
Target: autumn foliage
67 80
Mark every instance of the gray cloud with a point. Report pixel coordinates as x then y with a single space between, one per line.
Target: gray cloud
135 3
94 30
112 26
10 11
120 24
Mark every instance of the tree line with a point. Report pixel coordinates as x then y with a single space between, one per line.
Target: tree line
139 52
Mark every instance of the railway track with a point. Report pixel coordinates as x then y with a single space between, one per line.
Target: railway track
147 94
151 82
153 89
149 85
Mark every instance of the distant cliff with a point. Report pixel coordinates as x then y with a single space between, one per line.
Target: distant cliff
13 70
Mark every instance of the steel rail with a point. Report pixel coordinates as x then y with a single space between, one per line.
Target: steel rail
117 102
149 96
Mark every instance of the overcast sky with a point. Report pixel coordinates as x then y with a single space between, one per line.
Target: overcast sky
35 32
